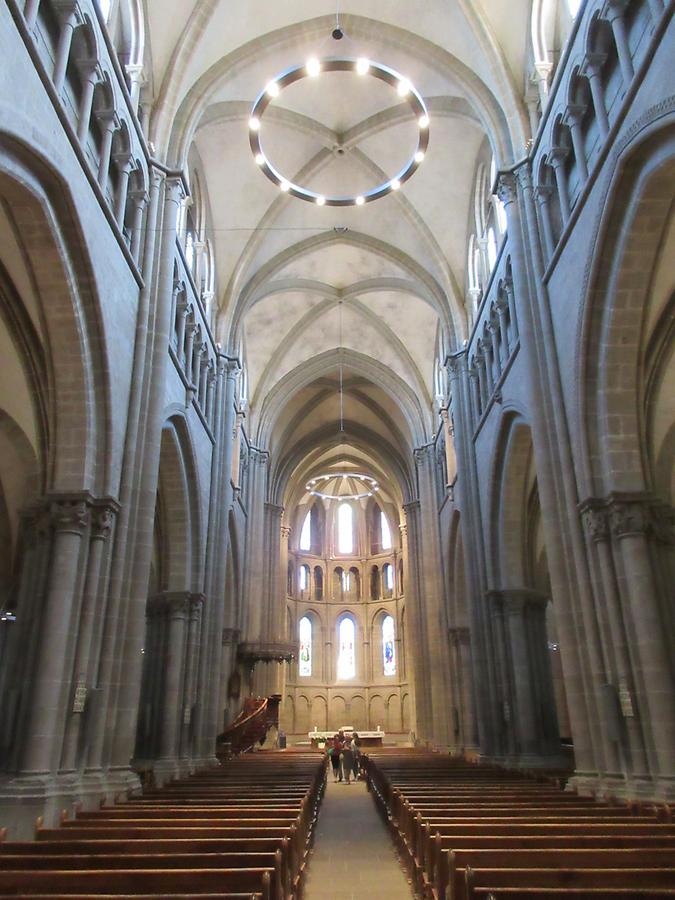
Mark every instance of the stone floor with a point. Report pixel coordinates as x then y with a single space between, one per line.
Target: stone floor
354 857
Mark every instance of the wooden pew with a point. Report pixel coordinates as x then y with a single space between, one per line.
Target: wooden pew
243 830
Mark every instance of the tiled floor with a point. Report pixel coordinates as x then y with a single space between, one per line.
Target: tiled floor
354 857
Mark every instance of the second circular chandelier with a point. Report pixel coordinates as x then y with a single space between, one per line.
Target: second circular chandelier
313 68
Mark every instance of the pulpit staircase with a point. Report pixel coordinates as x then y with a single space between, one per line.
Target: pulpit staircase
251 726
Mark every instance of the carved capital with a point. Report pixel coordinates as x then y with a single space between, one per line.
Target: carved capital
231 635
258 457
507 190
69 516
422 454
458 636
524 176
103 519
629 517
594 519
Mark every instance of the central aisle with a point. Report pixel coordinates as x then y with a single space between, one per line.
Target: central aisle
353 857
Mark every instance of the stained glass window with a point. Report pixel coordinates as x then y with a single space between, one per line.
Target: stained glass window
306 533
388 646
305 658
345 529
346 667
386 533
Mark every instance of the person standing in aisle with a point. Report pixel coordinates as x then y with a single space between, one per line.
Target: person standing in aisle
334 753
347 761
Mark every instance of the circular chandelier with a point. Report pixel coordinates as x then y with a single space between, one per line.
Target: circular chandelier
313 69
370 486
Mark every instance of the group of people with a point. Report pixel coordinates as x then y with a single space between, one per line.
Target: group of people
344 756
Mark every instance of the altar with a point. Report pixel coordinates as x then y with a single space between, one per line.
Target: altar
367 738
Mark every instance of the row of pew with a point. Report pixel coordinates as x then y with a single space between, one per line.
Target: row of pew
240 830
475 832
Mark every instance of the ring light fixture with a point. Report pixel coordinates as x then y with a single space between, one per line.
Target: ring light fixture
314 68
370 486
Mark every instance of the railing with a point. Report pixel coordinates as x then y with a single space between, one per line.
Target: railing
594 86
494 340
191 345
81 73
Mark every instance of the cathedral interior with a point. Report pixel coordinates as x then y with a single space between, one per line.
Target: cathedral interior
337 368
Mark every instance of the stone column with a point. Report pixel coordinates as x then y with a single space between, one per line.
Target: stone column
44 731
558 157
513 312
91 621
230 640
90 72
109 124
128 665
254 579
68 12
178 607
557 480
432 598
592 69
450 455
634 522
181 324
626 751
496 361
23 643
30 12
502 306
216 663
136 81
194 650
139 199
616 13
543 197
124 162
573 116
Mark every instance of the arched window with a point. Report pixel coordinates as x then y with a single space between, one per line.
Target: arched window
573 7
345 581
491 248
306 533
305 657
388 646
345 529
388 572
303 578
189 250
385 532
346 665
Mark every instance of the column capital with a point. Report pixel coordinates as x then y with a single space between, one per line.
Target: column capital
108 118
258 456
592 63
507 187
286 531
594 519
195 603
103 518
524 176
274 509
640 514
90 70
70 514
231 635
423 454
459 635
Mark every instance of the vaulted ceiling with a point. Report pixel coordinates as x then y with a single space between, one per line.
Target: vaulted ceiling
306 289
